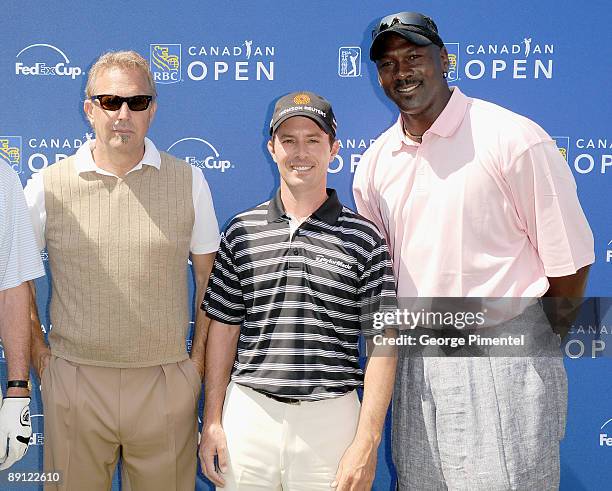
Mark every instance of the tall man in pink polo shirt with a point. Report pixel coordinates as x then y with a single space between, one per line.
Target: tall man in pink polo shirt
475 201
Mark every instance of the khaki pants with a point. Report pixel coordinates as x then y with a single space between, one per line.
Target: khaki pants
148 414
275 446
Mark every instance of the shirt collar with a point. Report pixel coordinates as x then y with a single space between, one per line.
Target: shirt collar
445 125
329 211
451 116
85 162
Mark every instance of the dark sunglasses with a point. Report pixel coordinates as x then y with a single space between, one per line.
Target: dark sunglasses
424 25
114 102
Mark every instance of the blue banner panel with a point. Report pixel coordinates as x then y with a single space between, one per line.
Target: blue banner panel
219 67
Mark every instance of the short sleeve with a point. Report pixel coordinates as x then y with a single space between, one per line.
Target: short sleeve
35 199
377 286
544 192
19 255
224 300
205 235
366 198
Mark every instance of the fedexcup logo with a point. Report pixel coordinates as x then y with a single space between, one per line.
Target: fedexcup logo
200 153
609 252
165 62
57 63
10 150
37 437
604 439
349 61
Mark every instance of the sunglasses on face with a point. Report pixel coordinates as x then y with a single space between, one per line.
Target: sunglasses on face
114 102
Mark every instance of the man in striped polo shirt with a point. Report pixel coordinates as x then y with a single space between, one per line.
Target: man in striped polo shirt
294 285
19 263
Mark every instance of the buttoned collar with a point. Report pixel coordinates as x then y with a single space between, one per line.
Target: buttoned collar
329 211
445 125
84 161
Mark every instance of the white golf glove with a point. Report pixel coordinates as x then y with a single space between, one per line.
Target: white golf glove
15 430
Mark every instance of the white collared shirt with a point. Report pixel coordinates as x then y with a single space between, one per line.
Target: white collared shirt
205 235
19 259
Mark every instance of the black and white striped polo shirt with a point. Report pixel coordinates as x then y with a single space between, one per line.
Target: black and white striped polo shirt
302 299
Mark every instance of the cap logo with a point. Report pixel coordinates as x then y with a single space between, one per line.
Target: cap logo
301 99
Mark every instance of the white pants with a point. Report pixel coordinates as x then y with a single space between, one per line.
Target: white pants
276 446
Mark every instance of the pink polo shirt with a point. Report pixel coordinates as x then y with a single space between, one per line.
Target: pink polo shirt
484 206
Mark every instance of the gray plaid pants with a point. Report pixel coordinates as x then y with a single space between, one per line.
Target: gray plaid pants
481 423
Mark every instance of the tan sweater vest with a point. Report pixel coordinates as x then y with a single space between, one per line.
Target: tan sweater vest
118 250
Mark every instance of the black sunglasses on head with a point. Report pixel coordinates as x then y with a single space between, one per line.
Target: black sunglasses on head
424 25
114 102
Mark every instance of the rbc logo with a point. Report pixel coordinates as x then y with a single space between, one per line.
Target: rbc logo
166 63
453 61
10 150
562 143
349 61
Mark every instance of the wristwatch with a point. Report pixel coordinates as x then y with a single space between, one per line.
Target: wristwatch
22 384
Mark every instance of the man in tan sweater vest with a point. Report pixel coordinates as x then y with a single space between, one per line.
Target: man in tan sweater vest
120 220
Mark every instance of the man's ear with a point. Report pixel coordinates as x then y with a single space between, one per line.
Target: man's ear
152 111
444 58
88 107
271 148
334 150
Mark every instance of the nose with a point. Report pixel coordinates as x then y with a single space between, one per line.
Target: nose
404 70
124 111
300 149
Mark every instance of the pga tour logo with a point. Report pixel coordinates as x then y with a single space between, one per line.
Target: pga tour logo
59 66
200 153
349 61
10 151
165 63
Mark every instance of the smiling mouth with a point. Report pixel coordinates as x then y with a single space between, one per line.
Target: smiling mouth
408 88
301 168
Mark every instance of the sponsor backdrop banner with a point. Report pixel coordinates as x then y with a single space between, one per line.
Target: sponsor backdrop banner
219 67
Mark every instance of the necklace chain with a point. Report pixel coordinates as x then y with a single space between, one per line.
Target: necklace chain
410 135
